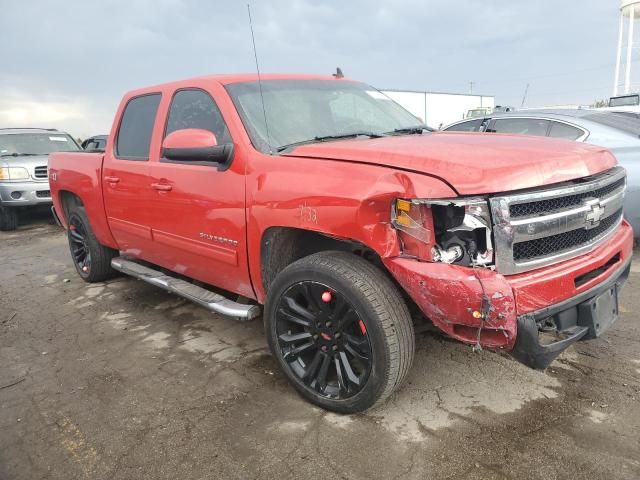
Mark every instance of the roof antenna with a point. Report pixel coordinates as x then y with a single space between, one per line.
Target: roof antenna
255 54
338 73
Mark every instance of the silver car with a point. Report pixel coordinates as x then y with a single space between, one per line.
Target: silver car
615 131
24 177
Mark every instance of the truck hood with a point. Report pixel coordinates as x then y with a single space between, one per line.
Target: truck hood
472 163
26 161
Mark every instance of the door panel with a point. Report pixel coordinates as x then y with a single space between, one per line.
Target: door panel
198 212
125 177
199 225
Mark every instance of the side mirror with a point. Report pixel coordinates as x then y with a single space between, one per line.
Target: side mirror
195 145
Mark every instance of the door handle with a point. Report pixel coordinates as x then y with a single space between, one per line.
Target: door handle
161 187
111 179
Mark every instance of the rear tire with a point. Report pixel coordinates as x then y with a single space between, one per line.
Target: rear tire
91 259
8 219
338 306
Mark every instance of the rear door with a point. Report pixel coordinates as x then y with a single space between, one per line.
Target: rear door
125 176
198 222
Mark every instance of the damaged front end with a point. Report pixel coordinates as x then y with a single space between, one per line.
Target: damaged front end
446 266
450 266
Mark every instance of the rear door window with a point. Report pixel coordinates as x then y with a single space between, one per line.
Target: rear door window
136 127
520 126
470 126
562 130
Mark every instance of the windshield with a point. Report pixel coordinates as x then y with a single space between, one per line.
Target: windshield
16 144
308 110
624 101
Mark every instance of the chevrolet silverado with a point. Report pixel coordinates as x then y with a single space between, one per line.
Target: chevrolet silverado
334 208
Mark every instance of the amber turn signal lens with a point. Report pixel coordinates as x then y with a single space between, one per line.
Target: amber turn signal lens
403 205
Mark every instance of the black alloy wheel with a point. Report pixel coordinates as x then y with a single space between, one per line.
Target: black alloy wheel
340 330
323 340
78 242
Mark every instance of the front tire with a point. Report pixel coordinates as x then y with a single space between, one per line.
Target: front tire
91 259
340 330
8 219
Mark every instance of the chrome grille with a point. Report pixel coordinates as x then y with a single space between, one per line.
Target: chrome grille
546 226
557 243
41 172
555 204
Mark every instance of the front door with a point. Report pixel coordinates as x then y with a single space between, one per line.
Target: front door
125 177
198 220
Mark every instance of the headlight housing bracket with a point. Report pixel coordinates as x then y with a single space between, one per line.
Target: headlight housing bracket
454 230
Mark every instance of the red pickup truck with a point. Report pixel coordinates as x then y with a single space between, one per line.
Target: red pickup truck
333 207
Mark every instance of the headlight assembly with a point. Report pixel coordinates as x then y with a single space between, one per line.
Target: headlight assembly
454 230
13 173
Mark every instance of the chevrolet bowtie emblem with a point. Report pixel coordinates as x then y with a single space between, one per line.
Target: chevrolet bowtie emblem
594 213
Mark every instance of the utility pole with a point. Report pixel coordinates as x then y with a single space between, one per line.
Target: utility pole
524 97
471 88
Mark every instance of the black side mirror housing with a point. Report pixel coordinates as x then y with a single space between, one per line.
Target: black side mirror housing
218 155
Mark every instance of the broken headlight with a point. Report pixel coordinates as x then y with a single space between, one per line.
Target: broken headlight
450 230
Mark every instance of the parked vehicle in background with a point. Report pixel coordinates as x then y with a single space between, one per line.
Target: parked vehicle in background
96 143
477 112
617 131
438 108
24 179
631 100
336 209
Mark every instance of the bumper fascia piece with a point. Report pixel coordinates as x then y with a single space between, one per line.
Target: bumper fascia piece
576 319
28 194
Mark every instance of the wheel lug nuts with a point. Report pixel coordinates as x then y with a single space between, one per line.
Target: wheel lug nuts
328 324
337 335
334 348
324 348
315 337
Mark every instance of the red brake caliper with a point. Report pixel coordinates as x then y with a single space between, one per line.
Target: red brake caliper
363 327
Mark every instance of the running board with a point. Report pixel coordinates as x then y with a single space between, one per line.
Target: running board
208 299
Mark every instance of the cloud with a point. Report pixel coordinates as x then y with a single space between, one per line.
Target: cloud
85 55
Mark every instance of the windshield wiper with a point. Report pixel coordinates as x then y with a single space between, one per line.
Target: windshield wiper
415 130
324 138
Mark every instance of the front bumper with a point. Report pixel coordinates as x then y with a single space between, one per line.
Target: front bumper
582 317
18 194
451 295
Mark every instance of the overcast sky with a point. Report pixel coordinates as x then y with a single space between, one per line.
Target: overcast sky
66 64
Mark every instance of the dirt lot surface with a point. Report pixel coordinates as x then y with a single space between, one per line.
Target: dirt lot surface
121 380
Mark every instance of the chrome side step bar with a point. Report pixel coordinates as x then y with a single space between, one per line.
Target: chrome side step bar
208 299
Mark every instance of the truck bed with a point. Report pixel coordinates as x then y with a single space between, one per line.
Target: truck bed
79 174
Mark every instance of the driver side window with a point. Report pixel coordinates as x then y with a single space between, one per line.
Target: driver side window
195 108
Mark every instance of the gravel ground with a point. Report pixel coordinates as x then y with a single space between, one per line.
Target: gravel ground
121 380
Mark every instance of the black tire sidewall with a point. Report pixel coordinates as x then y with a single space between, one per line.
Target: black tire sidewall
375 384
101 256
80 215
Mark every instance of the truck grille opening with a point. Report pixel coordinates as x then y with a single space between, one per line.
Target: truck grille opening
41 172
557 243
591 274
562 203
43 194
548 225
